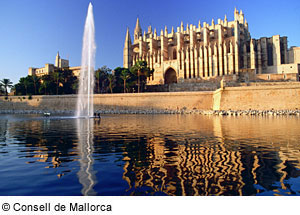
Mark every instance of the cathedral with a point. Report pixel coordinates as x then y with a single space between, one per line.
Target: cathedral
206 52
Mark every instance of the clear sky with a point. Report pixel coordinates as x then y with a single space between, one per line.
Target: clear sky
32 31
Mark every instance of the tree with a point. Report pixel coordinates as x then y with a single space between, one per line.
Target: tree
101 78
26 84
111 79
97 76
35 80
57 79
68 81
2 91
6 83
46 85
124 76
142 72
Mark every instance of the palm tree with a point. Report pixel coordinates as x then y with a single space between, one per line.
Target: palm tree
1 89
6 83
111 79
45 83
103 78
57 78
124 76
35 80
141 68
26 83
98 75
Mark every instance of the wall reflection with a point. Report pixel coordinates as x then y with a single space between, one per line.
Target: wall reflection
165 154
210 156
44 140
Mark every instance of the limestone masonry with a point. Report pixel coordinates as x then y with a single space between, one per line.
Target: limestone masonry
50 68
256 96
204 52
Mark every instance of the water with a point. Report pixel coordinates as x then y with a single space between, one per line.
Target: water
149 155
86 81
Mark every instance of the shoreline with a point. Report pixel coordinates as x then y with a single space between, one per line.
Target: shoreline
178 112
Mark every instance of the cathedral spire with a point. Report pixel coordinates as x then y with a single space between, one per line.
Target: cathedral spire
137 30
225 21
127 39
199 25
149 29
236 14
137 25
166 31
181 27
127 55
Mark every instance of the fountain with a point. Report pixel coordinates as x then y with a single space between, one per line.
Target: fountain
85 107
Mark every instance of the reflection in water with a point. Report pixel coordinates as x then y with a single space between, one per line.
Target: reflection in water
207 160
86 175
150 155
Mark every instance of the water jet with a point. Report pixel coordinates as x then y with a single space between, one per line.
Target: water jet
85 106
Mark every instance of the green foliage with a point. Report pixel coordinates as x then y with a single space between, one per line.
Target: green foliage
111 79
125 75
61 81
141 72
101 78
2 90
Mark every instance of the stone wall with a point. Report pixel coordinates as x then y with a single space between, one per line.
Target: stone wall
277 97
142 101
256 97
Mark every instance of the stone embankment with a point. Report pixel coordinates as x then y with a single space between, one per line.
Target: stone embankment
37 112
182 111
208 112
252 112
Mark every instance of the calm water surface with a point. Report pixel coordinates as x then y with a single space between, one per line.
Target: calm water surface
149 155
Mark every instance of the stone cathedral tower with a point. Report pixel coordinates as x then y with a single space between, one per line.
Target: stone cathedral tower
208 51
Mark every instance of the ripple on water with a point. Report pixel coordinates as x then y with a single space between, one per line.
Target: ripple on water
149 155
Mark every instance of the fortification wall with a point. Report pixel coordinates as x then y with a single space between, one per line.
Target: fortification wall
142 101
277 97
260 97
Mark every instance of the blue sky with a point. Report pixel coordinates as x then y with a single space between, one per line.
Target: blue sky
32 31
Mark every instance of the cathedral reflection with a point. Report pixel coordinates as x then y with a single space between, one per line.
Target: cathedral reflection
215 165
168 155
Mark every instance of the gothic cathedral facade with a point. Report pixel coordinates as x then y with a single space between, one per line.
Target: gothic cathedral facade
205 52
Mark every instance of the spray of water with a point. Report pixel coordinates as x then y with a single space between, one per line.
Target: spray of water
85 107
